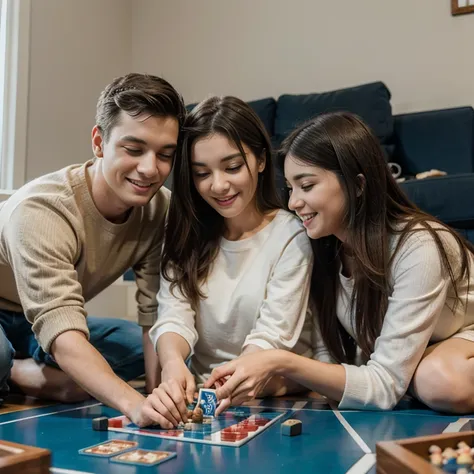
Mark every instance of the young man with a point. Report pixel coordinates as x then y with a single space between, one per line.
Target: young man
66 236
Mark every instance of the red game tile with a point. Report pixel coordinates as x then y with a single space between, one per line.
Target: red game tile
116 423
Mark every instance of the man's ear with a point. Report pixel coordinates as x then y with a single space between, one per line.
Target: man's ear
360 184
97 142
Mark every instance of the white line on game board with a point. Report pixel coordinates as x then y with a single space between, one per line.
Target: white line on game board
47 414
299 405
363 465
349 429
58 470
457 425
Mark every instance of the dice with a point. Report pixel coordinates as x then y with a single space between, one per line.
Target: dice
100 424
291 427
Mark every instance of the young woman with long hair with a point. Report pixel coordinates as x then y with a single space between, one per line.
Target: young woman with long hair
236 267
392 286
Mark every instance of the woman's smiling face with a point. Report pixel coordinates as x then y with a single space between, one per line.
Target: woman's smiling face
221 176
317 197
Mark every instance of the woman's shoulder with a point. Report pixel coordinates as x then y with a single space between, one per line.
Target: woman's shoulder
285 220
422 233
421 242
288 230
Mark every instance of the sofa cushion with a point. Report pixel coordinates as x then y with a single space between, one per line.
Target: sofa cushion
441 139
449 198
266 110
370 101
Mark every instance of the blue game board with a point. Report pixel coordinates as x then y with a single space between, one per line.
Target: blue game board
233 428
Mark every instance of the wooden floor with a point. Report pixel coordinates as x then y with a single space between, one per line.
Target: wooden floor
16 402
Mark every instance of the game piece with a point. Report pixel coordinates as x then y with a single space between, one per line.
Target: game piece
115 423
449 453
100 424
189 414
464 458
144 457
434 449
109 448
197 415
207 400
291 427
436 459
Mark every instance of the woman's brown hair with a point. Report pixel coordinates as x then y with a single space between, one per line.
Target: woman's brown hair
194 228
341 143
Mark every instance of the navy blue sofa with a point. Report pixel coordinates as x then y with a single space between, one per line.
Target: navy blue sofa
438 139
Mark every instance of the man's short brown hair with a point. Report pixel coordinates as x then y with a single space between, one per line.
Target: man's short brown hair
137 94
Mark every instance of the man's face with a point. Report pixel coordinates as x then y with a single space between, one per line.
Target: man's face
136 160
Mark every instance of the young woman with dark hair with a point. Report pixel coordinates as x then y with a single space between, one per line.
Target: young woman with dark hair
392 285
236 267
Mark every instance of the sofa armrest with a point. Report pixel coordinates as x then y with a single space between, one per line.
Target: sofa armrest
438 139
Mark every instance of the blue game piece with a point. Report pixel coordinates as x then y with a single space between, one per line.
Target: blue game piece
207 400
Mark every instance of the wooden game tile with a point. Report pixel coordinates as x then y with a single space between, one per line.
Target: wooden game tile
234 429
233 436
248 427
116 423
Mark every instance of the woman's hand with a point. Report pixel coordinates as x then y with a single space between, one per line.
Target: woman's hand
246 377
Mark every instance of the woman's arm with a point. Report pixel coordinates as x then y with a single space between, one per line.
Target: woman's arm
284 310
419 294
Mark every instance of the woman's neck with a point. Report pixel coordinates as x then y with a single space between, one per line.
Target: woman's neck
247 223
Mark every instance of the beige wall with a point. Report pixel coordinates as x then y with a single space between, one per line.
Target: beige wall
77 47
258 48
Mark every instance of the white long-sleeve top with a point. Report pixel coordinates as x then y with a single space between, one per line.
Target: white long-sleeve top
419 313
257 293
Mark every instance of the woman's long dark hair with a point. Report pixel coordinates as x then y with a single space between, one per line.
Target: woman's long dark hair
194 228
340 142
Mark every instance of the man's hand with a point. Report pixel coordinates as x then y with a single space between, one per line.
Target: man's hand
165 406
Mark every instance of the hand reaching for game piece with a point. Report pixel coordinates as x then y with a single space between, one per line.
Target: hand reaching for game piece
167 404
177 371
247 377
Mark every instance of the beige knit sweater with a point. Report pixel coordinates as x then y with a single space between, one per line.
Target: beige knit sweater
57 252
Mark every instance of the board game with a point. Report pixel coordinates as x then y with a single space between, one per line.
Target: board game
235 427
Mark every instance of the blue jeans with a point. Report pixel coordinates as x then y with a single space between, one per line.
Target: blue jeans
119 342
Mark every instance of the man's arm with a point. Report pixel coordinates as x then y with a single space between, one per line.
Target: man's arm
86 366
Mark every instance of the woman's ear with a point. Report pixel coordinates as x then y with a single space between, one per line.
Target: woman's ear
360 184
262 161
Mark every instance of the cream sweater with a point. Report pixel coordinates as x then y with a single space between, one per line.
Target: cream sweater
257 293
57 251
419 313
